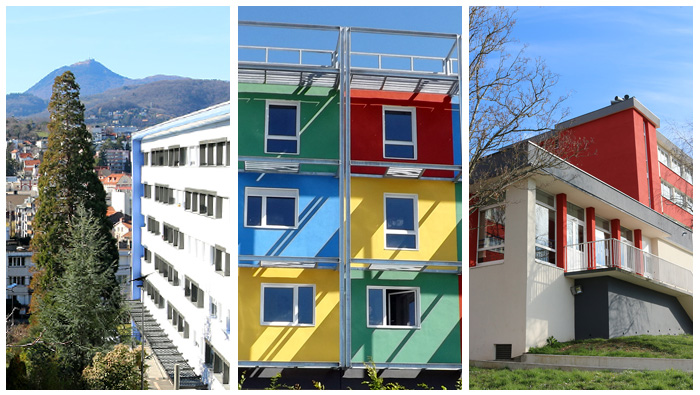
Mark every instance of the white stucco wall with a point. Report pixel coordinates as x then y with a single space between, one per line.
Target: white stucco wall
497 293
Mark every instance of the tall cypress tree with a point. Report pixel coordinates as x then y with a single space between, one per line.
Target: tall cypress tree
66 181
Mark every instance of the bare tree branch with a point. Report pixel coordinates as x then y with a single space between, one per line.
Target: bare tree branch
510 101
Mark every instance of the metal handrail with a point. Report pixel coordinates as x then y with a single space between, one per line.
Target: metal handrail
613 253
446 62
300 51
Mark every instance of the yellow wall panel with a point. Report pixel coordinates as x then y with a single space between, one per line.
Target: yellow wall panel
437 224
287 343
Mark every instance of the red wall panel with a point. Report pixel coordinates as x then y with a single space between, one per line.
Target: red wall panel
433 128
616 152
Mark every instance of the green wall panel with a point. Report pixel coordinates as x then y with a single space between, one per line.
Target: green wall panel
437 340
319 121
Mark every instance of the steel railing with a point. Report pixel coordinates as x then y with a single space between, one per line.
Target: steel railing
613 253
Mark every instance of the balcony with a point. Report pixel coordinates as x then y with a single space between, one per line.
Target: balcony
612 257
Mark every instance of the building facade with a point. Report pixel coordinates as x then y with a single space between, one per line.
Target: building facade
590 248
349 191
181 236
17 266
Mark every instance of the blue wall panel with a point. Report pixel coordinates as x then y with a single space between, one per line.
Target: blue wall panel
317 231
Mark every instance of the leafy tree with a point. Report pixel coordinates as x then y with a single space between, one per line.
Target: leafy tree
12 166
66 182
85 310
118 369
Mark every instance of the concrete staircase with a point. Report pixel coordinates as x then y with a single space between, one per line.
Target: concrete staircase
165 351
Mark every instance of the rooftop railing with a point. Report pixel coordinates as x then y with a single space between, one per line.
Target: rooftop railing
612 253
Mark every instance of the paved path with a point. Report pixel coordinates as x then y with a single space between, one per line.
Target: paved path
155 374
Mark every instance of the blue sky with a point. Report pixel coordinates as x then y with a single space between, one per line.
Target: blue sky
134 42
428 19
601 52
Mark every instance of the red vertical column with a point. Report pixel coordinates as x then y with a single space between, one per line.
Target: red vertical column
473 236
561 230
615 247
590 237
640 259
653 167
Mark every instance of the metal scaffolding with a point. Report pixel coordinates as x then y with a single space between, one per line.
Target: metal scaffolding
336 71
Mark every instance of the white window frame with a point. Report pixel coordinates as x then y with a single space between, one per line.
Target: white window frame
296 138
547 206
265 193
413 232
385 313
413 143
478 249
295 304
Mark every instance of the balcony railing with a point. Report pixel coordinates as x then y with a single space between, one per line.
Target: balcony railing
612 253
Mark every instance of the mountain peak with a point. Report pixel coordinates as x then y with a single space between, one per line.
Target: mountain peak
92 76
89 61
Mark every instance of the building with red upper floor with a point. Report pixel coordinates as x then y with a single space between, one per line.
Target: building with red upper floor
599 246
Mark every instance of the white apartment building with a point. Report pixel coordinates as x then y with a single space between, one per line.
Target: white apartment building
182 238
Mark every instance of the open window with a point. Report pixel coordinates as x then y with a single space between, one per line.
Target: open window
393 307
399 132
400 221
271 208
287 304
282 127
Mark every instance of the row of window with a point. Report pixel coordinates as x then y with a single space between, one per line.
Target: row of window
152 225
271 208
676 196
16 261
212 357
213 255
674 164
19 280
199 202
294 305
197 299
178 321
492 230
207 153
193 293
218 365
166 270
282 129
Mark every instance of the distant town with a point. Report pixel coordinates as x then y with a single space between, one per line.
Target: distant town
113 166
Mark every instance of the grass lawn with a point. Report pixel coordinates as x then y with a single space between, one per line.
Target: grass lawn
643 346
554 379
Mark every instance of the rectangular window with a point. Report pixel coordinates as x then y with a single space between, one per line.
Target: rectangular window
665 190
400 221
545 228
282 127
393 307
399 132
287 304
212 307
210 205
663 156
271 208
202 154
219 206
183 156
220 153
492 232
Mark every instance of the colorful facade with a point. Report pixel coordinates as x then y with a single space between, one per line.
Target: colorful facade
348 222
593 247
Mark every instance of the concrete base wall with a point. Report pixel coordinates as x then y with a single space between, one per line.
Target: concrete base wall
609 308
